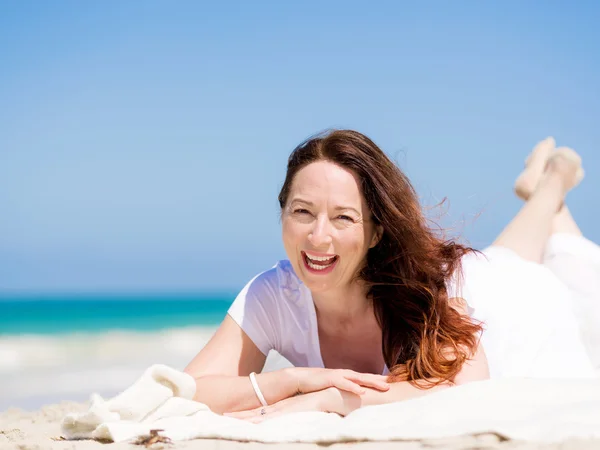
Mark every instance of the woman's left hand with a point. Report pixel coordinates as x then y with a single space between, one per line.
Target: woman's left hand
315 401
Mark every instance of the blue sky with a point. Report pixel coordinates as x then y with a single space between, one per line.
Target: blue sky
143 144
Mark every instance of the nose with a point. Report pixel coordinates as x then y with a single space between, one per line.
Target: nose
320 235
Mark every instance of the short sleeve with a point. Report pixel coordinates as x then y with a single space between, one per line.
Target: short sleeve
255 311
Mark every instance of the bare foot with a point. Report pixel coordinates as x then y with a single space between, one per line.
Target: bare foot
534 168
564 165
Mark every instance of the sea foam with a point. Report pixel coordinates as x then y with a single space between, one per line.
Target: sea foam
72 366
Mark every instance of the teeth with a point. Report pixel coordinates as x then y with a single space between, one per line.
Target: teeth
320 258
312 259
317 267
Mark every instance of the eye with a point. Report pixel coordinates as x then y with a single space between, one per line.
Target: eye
301 211
344 217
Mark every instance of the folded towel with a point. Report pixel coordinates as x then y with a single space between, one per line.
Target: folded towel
159 393
527 409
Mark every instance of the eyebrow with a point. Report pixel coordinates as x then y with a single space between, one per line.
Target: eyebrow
337 208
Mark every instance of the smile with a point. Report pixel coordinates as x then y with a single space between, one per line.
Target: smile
319 264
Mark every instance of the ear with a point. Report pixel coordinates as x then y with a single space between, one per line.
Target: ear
376 236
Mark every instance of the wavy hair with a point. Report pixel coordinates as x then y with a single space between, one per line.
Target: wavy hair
425 339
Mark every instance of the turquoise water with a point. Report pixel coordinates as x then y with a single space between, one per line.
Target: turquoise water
60 314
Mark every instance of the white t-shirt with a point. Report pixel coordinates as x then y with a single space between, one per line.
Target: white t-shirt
275 309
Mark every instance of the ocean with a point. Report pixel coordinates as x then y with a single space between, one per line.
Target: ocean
64 347
60 314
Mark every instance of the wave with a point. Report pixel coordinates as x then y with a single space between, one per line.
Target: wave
75 365
27 352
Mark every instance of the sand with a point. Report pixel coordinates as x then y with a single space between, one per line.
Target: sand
39 430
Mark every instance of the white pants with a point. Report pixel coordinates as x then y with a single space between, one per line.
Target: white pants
575 260
540 320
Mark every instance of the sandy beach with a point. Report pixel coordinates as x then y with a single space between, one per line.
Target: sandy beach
100 368
40 430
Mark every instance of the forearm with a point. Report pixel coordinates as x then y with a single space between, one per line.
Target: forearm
473 369
344 403
223 393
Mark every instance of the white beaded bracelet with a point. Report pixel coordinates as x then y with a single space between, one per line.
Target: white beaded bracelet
259 394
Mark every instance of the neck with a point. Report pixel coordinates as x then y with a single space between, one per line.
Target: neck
342 305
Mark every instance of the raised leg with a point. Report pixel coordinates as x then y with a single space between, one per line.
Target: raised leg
529 230
564 222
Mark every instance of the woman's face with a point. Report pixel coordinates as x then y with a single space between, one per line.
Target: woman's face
327 226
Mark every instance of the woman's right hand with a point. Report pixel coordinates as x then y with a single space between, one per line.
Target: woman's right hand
314 379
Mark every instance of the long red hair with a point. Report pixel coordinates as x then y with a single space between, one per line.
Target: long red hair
425 339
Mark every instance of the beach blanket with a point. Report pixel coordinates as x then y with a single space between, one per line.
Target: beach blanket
526 409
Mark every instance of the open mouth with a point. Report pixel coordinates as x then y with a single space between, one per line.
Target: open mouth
319 264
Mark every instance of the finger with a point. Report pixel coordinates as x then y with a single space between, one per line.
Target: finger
373 381
351 374
347 385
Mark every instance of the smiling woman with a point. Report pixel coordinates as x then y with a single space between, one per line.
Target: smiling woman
373 307
326 203
343 196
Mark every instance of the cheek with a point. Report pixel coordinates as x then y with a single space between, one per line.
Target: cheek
291 233
353 241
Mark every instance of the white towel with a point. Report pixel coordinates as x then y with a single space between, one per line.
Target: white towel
528 409
159 393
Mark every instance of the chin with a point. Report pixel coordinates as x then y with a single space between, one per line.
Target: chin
317 283
317 287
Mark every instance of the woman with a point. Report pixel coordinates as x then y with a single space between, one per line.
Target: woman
372 307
